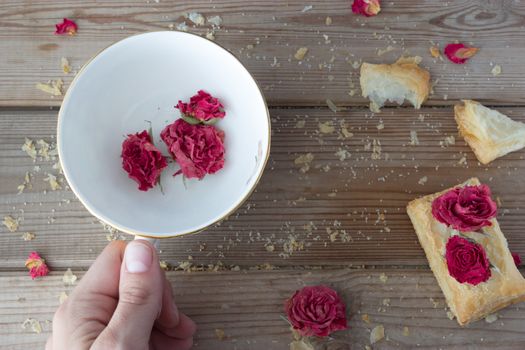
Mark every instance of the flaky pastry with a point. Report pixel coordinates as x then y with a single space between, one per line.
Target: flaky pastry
466 301
488 132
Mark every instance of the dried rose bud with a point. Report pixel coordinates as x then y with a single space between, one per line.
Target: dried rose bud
36 265
459 53
366 8
67 27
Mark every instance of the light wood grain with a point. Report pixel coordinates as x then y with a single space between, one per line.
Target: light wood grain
248 307
350 196
276 29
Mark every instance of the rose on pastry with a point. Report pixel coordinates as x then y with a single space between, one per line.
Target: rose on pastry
316 311
202 108
467 261
198 149
142 160
467 208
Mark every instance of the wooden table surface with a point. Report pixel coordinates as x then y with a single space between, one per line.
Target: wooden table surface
342 222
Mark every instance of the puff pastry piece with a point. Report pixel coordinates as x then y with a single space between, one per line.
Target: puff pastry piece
468 302
489 133
395 82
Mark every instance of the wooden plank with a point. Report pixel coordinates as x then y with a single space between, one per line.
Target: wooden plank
361 196
249 308
266 34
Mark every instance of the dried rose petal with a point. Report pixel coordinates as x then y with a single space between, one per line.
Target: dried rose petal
67 27
366 8
517 259
36 265
459 53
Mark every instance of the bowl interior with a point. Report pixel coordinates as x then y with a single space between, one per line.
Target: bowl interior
140 79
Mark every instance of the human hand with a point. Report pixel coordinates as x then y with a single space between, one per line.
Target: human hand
124 301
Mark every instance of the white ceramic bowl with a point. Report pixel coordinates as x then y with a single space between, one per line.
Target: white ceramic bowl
142 78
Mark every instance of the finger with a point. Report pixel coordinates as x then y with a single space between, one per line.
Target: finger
185 329
169 315
49 343
88 309
161 341
140 298
103 276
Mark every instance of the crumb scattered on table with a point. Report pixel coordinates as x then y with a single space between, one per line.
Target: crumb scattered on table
378 333
33 325
69 278
300 53
11 223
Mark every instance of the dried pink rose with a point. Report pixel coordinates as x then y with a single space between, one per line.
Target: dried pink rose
316 310
459 53
67 27
467 261
198 149
203 108
467 208
366 8
36 265
142 160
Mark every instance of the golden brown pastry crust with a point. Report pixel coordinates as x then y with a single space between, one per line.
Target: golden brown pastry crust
489 133
405 72
468 302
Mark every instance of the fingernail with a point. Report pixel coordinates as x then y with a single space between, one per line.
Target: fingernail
138 257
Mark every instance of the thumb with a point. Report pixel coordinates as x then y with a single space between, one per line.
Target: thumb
140 299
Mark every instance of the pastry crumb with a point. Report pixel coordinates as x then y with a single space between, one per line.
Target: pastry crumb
52 179
377 334
332 106
33 325
300 124
374 107
376 149
69 278
219 333
300 53
496 70
381 52
414 140
491 318
406 331
53 87
423 180
434 52
328 21
210 35
327 127
64 64
164 265
29 148
304 162
11 223
215 21
197 18
365 318
383 278
28 236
